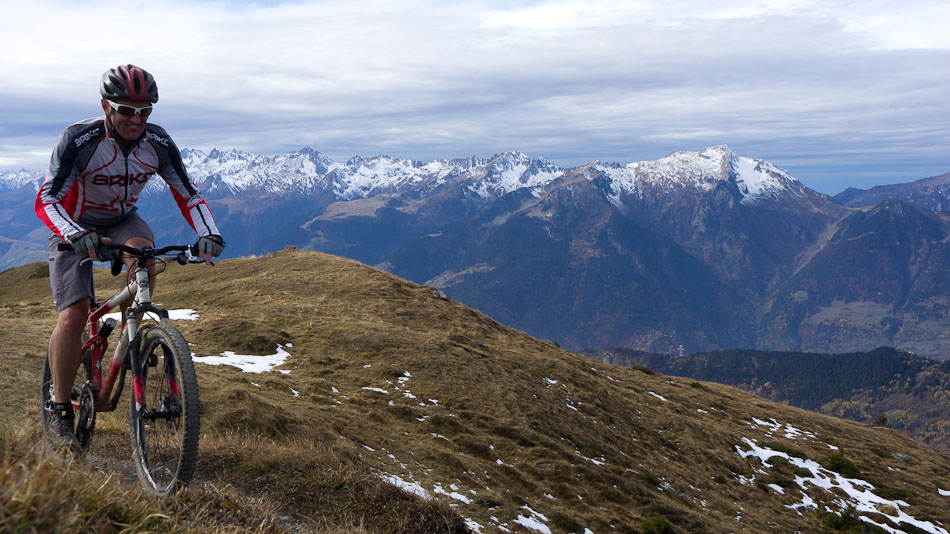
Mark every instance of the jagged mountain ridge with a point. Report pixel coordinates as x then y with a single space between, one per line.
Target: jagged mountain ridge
307 171
688 249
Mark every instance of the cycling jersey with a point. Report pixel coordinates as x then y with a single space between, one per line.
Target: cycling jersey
92 180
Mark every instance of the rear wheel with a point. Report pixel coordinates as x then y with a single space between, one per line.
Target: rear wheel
81 397
164 432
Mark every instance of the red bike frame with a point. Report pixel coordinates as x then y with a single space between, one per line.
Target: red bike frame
97 346
137 292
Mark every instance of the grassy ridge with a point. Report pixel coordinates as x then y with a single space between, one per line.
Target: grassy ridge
388 382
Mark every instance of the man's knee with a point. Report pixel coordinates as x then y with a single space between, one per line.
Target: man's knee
139 242
73 318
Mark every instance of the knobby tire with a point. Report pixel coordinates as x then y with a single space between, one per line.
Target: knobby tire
164 450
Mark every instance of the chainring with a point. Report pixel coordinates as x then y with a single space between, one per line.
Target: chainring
86 419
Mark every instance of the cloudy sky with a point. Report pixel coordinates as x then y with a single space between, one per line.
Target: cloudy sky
839 93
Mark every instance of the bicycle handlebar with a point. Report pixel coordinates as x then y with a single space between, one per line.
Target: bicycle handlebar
142 253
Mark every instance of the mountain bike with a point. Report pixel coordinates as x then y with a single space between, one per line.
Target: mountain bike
163 408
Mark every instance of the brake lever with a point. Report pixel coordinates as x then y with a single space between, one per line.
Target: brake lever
116 264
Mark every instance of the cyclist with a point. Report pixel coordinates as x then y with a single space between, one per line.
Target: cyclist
96 173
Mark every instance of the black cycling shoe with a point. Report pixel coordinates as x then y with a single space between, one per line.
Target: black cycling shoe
60 434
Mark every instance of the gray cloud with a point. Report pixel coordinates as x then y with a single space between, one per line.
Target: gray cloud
830 92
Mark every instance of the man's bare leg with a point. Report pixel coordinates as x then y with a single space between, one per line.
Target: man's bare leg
64 348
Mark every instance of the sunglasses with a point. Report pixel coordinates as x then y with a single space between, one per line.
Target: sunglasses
128 111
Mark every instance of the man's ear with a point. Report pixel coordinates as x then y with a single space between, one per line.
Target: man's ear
105 106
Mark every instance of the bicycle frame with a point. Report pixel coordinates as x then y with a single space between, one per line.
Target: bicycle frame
137 293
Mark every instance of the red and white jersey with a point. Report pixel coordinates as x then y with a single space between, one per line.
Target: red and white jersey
92 180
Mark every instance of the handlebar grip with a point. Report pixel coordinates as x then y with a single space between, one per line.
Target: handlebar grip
103 252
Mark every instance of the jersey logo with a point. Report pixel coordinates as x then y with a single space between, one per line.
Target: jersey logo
86 137
157 138
118 179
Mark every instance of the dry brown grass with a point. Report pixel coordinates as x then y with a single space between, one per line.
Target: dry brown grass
43 493
394 380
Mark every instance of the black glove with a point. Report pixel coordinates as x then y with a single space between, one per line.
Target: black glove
84 242
211 245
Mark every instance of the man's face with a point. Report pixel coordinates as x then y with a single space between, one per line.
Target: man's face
129 127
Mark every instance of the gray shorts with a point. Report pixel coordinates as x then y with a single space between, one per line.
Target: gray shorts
70 274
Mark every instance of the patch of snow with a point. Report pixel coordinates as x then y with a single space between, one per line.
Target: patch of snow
377 390
859 492
793 433
247 363
473 526
454 495
657 396
594 461
534 522
411 487
771 423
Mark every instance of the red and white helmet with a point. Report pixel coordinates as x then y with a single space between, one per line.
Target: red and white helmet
128 82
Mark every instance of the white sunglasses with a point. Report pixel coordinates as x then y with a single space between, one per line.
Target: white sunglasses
128 111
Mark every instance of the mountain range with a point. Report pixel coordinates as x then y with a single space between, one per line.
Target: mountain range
705 250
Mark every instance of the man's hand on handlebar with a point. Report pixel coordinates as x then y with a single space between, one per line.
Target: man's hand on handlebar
209 246
86 242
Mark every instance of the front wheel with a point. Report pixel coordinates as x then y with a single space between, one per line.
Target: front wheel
164 431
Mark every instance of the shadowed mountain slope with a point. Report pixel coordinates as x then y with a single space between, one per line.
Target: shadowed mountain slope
880 280
394 383
929 193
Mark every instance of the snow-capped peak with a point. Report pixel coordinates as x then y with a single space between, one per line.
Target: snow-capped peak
754 178
12 180
510 171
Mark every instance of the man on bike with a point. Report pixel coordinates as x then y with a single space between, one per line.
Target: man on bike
98 169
